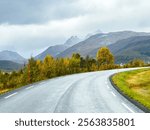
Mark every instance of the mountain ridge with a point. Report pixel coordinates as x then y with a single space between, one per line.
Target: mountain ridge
12 56
57 49
94 42
118 42
131 48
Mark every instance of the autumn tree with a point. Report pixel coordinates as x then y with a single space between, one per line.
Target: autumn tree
31 70
4 80
136 63
90 63
66 62
62 65
29 73
104 57
74 63
38 70
49 66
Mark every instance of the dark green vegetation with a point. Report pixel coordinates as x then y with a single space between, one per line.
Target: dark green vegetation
36 70
135 84
9 65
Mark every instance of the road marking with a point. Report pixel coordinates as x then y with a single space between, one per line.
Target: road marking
10 95
113 94
29 87
128 108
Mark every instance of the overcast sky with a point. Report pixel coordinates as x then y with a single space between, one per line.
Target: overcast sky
29 26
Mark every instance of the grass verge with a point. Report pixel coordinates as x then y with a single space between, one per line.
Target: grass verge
135 84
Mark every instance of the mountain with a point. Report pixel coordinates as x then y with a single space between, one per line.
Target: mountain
12 56
93 33
52 50
72 41
131 48
93 43
57 49
9 65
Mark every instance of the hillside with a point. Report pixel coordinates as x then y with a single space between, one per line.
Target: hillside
91 45
57 49
52 50
12 56
128 49
9 65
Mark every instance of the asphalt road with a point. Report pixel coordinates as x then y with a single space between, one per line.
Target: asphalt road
79 93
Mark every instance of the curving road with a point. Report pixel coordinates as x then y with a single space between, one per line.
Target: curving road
79 93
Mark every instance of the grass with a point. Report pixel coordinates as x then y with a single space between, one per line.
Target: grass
135 84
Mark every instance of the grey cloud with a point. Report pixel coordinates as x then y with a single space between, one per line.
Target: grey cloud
27 26
35 11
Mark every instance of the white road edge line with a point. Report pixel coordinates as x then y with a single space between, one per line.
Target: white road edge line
128 108
29 87
113 94
10 95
